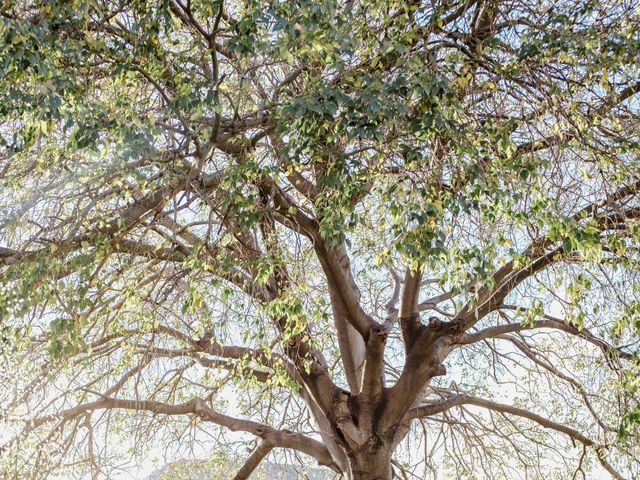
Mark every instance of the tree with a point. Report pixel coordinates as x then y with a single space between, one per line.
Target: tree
348 229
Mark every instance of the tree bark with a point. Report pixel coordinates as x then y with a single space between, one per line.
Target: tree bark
370 464
259 453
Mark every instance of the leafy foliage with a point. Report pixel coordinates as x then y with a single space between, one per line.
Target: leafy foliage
326 217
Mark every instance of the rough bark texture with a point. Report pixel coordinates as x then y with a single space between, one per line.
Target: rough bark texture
370 464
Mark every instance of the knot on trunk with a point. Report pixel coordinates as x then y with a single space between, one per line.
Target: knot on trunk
206 341
438 370
378 333
435 323
374 443
201 409
445 328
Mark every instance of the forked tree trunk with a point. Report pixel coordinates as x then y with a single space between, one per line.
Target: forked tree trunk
374 464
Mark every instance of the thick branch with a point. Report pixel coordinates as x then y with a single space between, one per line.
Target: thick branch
197 406
541 254
262 450
466 399
408 314
335 264
548 321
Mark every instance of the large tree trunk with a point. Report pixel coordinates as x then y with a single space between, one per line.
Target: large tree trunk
370 464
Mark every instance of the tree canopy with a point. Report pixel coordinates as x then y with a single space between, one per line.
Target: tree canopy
392 238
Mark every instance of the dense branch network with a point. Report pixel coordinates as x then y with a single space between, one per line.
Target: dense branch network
337 209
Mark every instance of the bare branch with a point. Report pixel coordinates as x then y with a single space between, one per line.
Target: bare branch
197 406
466 399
